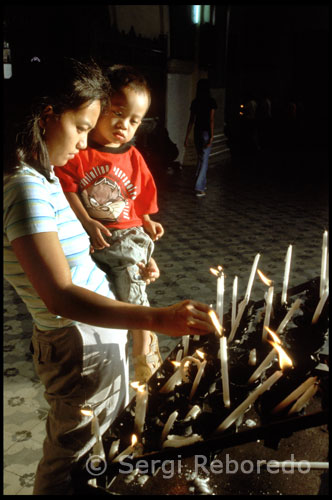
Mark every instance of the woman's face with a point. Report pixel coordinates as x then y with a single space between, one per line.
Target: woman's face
67 133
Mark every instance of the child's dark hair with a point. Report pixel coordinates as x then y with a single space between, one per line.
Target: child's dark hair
65 84
120 76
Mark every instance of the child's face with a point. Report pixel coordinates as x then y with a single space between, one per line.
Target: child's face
118 124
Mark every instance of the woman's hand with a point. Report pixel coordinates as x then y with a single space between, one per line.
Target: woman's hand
185 318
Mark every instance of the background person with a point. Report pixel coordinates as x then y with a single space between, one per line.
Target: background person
202 118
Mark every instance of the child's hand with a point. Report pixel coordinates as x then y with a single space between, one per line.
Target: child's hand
149 272
96 229
154 229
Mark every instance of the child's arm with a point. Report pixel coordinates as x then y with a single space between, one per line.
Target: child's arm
93 227
154 229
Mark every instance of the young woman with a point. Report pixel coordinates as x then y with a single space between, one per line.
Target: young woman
80 331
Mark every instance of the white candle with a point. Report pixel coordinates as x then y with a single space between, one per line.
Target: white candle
140 408
323 273
251 278
220 297
249 401
264 364
320 305
178 441
179 375
268 309
234 298
98 448
252 357
224 371
169 424
185 344
286 274
114 449
294 394
192 413
299 464
304 399
288 316
179 356
242 306
197 380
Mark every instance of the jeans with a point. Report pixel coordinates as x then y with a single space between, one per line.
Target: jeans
201 139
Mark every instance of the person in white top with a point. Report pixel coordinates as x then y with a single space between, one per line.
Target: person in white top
80 330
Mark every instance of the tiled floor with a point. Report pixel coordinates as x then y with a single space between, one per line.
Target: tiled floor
252 206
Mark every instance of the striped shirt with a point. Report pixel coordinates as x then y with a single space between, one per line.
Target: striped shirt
32 205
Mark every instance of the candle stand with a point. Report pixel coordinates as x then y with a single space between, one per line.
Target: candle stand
305 343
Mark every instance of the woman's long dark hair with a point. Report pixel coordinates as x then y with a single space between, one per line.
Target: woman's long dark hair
65 84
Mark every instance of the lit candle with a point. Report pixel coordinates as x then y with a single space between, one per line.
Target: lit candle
178 441
197 380
304 399
286 274
242 306
169 424
131 450
320 305
223 359
268 309
220 291
294 394
234 298
180 374
249 401
220 297
323 273
251 278
267 361
98 448
141 406
185 344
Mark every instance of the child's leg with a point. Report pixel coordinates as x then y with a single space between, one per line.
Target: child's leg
146 355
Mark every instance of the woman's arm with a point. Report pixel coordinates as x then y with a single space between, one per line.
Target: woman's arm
211 127
42 259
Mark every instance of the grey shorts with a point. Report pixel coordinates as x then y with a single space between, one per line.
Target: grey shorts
119 261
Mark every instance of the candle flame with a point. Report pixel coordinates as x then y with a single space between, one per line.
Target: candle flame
216 272
284 359
176 363
215 322
133 440
273 334
87 412
200 354
139 387
264 278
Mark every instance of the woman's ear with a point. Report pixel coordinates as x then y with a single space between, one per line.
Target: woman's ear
45 115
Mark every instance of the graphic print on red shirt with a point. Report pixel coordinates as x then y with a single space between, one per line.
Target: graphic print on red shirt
114 184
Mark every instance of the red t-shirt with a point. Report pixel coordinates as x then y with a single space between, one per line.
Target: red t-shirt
114 184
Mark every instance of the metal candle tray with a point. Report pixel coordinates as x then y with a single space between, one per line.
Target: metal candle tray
270 429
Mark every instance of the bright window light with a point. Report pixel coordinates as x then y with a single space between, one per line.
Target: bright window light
196 14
